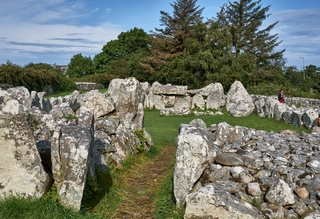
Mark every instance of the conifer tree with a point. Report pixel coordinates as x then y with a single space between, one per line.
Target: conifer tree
243 19
169 42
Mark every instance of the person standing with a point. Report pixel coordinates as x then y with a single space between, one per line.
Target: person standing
281 96
319 116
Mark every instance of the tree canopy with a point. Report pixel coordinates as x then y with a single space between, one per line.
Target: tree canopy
243 20
130 42
80 66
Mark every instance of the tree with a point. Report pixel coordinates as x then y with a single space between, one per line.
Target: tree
243 19
80 66
129 42
169 44
180 25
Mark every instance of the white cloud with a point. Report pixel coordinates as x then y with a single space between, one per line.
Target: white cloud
36 29
299 31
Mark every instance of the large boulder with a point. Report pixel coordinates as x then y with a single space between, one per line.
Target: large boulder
113 89
212 202
125 142
155 101
309 118
182 103
215 98
241 108
130 107
72 159
194 149
98 103
21 171
279 109
168 89
198 102
238 93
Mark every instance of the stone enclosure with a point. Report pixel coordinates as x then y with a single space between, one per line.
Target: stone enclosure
220 171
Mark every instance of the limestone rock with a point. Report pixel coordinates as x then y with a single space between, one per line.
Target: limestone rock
113 89
168 89
21 171
71 151
194 149
98 103
198 102
210 202
237 93
215 97
130 107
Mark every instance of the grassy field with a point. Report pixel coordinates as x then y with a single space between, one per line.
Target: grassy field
164 130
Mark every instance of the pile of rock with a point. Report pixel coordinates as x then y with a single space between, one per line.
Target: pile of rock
237 172
63 139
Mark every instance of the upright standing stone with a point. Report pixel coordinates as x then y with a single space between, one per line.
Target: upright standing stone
21 171
71 148
130 105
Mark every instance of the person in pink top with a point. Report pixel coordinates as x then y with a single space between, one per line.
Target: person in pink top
281 96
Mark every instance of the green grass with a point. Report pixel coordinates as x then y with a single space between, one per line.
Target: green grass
14 208
165 203
164 130
159 126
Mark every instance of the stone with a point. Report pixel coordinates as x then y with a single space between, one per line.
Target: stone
209 202
215 97
168 89
71 155
198 102
194 149
113 89
236 93
280 194
130 109
182 103
229 159
98 103
21 171
302 193
254 189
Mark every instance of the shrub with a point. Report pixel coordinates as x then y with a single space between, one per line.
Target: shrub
35 77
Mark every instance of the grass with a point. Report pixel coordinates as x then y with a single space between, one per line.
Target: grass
164 130
14 208
159 126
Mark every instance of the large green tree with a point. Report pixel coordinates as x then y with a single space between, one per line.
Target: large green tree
130 42
80 66
243 19
169 43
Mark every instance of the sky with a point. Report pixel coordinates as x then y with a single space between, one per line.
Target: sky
53 31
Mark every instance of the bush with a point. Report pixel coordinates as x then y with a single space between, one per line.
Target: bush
35 77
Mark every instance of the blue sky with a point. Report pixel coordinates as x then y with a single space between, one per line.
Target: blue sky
53 31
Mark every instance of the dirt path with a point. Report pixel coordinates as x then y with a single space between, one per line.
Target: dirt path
141 186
